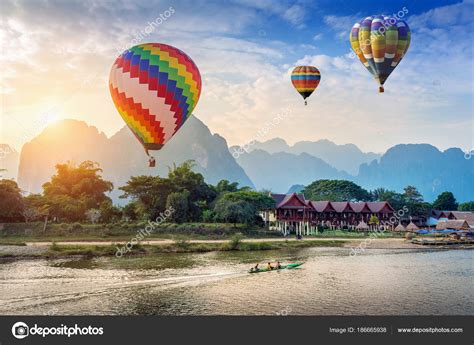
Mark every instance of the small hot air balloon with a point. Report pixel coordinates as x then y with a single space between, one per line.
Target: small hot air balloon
305 79
380 42
155 87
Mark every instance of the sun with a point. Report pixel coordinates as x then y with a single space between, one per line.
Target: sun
50 117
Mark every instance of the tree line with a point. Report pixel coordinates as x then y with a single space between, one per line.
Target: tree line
411 198
79 193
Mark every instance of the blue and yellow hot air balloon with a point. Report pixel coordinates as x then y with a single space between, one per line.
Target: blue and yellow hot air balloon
380 42
305 79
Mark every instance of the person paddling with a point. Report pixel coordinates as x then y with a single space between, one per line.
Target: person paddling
269 266
278 266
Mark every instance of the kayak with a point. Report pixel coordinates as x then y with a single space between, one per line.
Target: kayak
289 266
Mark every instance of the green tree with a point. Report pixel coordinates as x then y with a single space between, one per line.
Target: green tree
11 201
179 203
225 186
109 212
258 200
412 195
35 207
235 212
378 193
396 200
149 193
374 220
182 178
467 206
242 206
129 211
413 200
208 216
75 189
446 202
335 190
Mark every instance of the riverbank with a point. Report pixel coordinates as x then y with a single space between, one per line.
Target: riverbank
11 233
97 249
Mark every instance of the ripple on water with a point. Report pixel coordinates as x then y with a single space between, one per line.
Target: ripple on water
330 282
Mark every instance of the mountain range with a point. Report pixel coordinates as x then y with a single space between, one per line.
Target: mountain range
121 156
273 165
9 159
347 157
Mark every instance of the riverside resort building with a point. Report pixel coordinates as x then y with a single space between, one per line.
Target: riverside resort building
294 214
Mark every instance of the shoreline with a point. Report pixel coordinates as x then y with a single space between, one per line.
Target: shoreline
91 249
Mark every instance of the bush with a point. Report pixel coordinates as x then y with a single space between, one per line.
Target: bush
235 241
182 244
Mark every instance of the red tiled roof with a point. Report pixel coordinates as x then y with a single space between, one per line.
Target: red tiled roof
342 206
467 216
360 207
278 197
378 206
296 200
322 206
289 197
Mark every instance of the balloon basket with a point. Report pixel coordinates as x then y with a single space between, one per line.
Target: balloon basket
381 89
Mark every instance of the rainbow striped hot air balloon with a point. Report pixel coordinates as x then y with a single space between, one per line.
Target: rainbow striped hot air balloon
155 87
380 42
305 79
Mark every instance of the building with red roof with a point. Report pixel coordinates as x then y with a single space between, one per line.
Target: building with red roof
294 214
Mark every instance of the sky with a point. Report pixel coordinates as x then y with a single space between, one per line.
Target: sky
56 57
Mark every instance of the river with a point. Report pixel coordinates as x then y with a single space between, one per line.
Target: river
376 282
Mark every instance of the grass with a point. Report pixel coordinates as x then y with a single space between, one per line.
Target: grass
56 250
351 234
22 232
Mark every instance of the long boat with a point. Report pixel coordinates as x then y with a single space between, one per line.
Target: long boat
289 266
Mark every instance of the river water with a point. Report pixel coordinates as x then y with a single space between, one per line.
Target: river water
377 282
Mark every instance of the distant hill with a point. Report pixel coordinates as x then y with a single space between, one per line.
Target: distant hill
347 157
270 165
121 156
423 166
279 171
296 188
9 159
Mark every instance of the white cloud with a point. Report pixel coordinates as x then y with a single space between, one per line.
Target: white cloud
245 83
295 14
318 37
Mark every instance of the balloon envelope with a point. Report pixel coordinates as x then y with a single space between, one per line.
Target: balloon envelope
154 87
305 79
380 42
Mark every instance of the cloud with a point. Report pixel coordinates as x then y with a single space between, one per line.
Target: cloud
318 37
245 78
295 15
342 25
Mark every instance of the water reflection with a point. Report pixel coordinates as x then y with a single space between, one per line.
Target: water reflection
330 282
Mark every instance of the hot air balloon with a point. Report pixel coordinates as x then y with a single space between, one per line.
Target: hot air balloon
305 79
380 42
154 87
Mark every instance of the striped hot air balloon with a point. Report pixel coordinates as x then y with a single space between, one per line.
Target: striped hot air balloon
305 79
380 42
155 88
